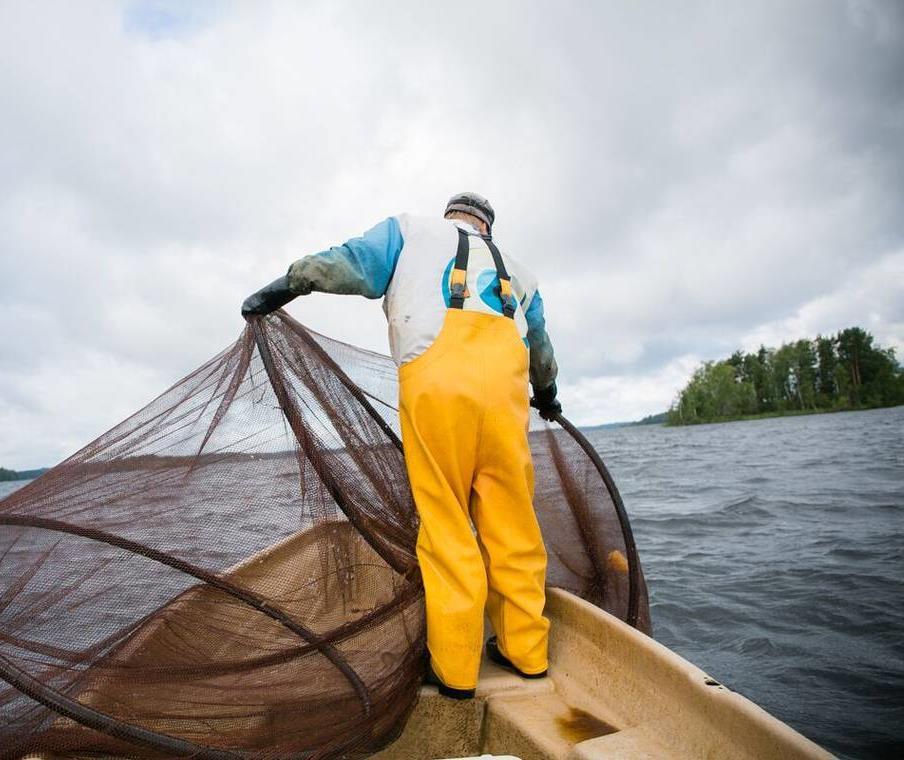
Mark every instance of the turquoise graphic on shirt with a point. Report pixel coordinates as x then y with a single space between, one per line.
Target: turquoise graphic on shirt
487 287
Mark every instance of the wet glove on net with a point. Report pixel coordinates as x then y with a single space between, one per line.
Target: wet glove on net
269 298
545 402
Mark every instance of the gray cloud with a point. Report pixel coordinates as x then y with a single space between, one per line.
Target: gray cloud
684 179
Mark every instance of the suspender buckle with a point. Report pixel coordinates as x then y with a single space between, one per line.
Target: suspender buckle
509 303
458 288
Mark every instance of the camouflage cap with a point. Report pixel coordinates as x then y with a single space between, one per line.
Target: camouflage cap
474 204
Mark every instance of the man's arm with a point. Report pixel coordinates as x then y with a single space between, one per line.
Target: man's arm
543 368
360 266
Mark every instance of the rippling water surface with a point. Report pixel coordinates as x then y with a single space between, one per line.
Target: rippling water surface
8 486
773 551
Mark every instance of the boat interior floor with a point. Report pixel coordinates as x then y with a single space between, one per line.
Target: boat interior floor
612 692
509 716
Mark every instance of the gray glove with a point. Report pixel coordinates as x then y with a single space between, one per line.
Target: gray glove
269 298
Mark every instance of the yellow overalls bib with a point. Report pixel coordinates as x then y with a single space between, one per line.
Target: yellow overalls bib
464 413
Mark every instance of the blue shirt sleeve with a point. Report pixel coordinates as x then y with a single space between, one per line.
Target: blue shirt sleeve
543 368
361 266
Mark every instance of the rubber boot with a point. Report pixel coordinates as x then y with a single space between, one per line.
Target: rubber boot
447 691
500 659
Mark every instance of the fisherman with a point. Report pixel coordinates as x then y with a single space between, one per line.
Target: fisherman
466 329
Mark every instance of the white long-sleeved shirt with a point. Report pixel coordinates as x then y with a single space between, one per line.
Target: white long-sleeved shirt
407 260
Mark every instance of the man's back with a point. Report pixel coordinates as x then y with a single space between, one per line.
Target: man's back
419 293
409 259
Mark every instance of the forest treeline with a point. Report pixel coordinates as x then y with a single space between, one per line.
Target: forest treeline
21 475
830 373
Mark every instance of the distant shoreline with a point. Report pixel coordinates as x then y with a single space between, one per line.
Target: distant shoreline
771 415
7 476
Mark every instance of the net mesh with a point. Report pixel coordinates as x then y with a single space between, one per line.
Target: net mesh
230 572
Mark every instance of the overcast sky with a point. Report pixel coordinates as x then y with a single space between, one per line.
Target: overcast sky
686 178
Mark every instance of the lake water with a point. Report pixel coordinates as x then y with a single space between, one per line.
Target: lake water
8 486
773 551
774 554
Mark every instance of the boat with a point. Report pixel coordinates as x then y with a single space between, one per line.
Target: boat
612 692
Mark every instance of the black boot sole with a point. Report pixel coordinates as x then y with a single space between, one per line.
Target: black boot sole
500 659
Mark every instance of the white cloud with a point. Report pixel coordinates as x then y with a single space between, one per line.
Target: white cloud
680 179
626 397
66 400
872 299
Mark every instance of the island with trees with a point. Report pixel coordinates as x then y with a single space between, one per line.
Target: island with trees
828 374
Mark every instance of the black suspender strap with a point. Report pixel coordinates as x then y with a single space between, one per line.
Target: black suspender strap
458 287
509 303
458 284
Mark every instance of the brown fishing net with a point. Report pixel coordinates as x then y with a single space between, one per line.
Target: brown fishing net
230 572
